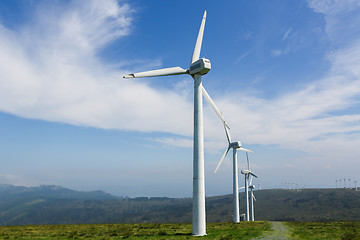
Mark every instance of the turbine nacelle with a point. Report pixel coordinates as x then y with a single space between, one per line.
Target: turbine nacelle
248 172
201 66
235 145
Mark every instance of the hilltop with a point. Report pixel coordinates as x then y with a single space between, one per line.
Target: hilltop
58 205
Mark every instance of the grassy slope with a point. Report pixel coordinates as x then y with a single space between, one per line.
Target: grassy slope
222 231
244 230
325 230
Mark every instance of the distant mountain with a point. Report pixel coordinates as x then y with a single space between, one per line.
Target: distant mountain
49 192
58 205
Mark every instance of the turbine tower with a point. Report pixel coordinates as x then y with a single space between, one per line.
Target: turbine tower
247 173
198 68
252 198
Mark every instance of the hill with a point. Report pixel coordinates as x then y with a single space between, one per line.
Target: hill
57 205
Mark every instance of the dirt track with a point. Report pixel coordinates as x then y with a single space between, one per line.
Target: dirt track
280 232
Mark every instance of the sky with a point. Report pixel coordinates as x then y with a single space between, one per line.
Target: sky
285 75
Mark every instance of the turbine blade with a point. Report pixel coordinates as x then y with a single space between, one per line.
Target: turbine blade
222 159
253 174
158 72
196 53
253 196
247 159
245 150
241 187
213 106
250 182
227 133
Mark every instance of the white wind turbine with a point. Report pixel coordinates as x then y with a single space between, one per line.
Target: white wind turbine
252 198
235 146
247 173
198 67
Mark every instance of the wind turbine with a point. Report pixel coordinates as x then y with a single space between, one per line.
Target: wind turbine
247 174
198 68
235 146
252 198
355 185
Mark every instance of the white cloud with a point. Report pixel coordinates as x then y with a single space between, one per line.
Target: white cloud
342 18
242 56
17 180
276 52
286 34
50 70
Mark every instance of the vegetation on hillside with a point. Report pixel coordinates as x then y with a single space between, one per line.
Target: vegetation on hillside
56 205
325 230
248 230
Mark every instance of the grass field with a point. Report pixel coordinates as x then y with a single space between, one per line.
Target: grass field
325 230
223 231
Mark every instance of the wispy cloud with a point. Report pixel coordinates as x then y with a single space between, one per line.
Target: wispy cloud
246 35
12 179
242 56
286 34
49 69
276 52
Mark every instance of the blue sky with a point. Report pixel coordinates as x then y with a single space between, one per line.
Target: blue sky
285 75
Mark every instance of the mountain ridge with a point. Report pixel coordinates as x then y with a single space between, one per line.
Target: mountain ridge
50 204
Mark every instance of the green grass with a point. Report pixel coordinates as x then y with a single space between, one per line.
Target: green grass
223 231
244 230
325 230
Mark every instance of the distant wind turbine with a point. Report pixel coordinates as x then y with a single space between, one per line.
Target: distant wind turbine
235 146
198 68
252 198
247 173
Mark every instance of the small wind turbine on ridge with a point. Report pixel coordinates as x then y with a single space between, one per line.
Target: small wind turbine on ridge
234 146
247 173
252 198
